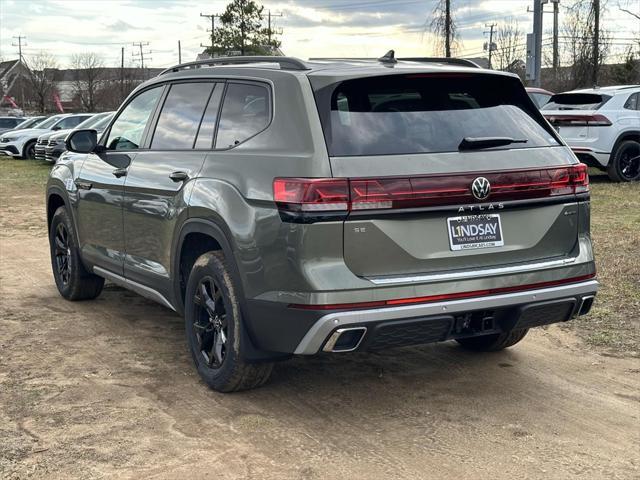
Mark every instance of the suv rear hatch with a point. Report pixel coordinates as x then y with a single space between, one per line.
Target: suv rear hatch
575 115
405 151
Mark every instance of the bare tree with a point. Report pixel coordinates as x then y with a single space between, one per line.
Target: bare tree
88 78
578 46
511 46
443 27
40 78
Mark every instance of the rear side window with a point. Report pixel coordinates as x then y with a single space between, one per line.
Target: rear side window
633 102
423 113
9 122
181 115
71 122
246 111
576 101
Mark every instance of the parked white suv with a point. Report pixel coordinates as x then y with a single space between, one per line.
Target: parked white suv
602 127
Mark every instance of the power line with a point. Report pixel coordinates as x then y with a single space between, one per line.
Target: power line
19 45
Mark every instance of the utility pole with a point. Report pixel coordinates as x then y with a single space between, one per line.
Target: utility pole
556 57
179 53
142 53
269 32
19 39
596 40
212 17
537 38
121 73
447 29
490 47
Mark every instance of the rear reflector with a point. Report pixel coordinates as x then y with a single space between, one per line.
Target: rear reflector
345 195
444 297
596 120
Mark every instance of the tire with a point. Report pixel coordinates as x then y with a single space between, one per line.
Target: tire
495 342
72 279
624 165
213 323
29 151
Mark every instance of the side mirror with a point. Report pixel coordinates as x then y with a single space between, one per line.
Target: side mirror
82 141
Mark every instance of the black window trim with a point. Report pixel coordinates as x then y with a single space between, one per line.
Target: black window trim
627 102
107 131
269 104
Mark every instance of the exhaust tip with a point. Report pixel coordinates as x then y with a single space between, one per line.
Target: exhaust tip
345 340
585 304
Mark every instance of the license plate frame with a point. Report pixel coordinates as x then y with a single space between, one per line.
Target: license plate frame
465 232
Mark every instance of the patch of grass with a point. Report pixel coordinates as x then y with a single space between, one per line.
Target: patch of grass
20 176
614 321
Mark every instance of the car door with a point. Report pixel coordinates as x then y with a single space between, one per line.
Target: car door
160 179
100 184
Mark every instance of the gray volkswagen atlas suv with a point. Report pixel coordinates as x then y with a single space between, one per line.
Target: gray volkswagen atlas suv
293 208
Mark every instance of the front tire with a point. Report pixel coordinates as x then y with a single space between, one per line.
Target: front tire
213 324
494 342
624 165
29 151
72 279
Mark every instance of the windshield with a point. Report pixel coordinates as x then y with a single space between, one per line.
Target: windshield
576 101
427 113
9 122
30 123
103 122
50 121
92 122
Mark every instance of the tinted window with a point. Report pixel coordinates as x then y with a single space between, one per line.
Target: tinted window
245 112
539 99
126 132
632 102
181 115
576 101
420 114
208 125
9 122
71 122
49 122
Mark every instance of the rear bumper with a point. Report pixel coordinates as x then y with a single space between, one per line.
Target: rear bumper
307 332
592 157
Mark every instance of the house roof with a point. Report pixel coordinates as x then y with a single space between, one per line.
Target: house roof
7 66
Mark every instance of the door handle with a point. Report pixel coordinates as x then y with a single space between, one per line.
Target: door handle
83 185
119 172
179 176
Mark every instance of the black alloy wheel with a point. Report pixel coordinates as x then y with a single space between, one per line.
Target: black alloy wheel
62 252
630 161
210 323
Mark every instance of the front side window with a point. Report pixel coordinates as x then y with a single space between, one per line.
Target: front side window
9 122
126 132
181 115
421 113
246 111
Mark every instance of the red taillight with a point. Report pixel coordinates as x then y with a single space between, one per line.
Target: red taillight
311 194
596 120
358 194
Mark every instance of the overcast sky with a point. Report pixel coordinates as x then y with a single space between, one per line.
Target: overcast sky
311 28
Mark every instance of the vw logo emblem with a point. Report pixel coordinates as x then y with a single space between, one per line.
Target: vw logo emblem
481 188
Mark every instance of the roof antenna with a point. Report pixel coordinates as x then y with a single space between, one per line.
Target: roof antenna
389 57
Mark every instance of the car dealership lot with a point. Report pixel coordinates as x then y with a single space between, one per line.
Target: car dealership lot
105 388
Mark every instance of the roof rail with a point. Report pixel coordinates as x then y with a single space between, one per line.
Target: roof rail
452 61
390 59
286 63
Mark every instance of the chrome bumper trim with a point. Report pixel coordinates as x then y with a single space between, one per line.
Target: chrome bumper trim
486 272
318 333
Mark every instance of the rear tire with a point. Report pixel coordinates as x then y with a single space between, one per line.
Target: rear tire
624 165
495 342
213 325
74 282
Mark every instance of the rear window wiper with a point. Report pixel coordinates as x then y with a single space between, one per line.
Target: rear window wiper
477 143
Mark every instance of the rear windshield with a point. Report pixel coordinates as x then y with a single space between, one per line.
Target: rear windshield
427 113
576 101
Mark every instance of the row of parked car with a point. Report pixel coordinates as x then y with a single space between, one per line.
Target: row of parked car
42 138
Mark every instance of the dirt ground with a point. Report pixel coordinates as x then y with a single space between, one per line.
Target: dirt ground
106 389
